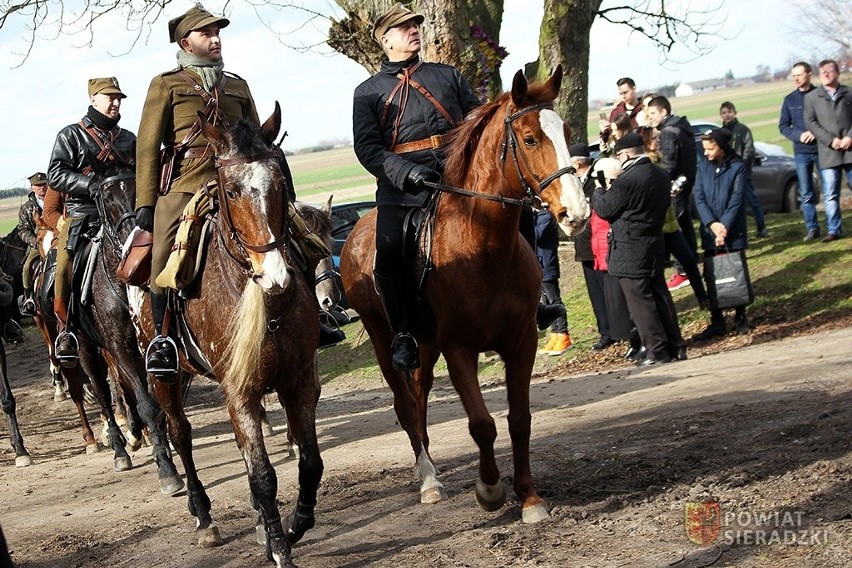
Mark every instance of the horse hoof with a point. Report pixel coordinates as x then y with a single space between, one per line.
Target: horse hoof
23 461
133 443
535 514
260 535
267 430
209 537
59 395
92 448
490 497
171 485
433 495
123 463
293 453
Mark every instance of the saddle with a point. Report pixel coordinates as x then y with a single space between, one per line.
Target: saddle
85 256
417 233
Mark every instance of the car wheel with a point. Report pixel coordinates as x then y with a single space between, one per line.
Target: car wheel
791 196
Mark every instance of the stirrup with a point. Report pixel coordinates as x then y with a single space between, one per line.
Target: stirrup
156 344
13 335
398 338
66 360
28 308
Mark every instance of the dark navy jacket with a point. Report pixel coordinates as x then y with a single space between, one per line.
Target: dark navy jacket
547 245
792 121
419 121
720 196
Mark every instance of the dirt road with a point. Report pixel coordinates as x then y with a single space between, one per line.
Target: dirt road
764 431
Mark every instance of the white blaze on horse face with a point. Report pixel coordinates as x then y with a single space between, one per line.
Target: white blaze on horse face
271 274
571 194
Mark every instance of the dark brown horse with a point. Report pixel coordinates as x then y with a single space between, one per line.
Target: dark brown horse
483 289
254 320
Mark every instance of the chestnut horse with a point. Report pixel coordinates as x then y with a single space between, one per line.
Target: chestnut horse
254 321
483 289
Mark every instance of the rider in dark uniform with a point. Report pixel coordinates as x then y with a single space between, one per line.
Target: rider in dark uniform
97 134
398 132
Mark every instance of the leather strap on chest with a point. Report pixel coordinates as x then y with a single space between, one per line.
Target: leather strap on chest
107 152
405 82
210 111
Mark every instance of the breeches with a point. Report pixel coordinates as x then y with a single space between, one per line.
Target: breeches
32 255
166 222
390 242
62 285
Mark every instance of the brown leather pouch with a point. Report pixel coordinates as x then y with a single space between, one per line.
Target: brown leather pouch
167 165
135 266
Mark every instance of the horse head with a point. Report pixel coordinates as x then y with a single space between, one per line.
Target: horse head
318 220
252 198
115 195
545 150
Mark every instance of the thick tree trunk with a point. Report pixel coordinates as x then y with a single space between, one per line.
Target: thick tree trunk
464 34
564 38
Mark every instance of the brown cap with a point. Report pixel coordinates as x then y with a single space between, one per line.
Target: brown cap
38 178
105 85
395 16
193 19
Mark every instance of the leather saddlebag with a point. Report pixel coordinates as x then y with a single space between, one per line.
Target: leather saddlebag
135 265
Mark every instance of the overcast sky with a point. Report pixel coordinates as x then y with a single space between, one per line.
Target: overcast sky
48 91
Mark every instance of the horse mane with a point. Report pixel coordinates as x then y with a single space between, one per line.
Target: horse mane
244 136
317 220
466 137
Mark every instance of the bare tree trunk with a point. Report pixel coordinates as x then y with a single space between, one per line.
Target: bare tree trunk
463 34
564 38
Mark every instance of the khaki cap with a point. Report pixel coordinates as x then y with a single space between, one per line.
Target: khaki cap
193 19
38 178
105 85
395 16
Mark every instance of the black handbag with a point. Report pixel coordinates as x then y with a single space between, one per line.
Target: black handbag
728 281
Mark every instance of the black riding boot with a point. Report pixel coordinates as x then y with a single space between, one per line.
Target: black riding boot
546 314
161 358
405 352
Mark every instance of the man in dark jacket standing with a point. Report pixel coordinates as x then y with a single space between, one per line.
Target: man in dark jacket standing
677 149
792 126
636 207
742 143
97 134
397 132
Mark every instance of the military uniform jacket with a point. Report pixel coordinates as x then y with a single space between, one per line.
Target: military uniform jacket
68 160
420 120
29 218
171 108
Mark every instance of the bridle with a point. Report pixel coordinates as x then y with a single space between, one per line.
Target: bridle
510 142
112 231
224 205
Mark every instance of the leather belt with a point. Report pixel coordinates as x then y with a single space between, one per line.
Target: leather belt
200 152
433 142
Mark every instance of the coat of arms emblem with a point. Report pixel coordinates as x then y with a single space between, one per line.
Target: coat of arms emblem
702 521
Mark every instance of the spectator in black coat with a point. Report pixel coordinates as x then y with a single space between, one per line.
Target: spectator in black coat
679 159
635 206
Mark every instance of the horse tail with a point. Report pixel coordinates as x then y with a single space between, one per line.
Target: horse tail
246 332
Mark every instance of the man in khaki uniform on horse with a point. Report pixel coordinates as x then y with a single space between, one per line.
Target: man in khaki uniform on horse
166 180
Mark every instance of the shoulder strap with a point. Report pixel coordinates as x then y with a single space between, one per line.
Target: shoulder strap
211 109
107 151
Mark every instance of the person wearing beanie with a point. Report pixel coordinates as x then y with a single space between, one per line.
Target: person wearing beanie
720 199
635 206
69 173
399 118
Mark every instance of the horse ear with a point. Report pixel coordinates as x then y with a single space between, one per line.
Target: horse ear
211 133
327 207
519 88
553 84
270 128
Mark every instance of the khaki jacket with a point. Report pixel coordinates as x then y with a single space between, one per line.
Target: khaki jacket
169 112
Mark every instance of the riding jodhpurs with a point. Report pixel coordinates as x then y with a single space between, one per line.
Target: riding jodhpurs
26 275
167 215
62 285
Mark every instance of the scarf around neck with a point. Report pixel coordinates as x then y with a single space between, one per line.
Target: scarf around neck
209 71
101 120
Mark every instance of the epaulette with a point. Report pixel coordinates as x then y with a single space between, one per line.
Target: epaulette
171 71
234 75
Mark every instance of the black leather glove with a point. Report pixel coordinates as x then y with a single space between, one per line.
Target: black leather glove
418 176
145 218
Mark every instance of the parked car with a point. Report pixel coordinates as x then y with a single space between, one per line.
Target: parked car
773 174
343 219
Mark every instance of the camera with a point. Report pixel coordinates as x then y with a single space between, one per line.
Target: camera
677 185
